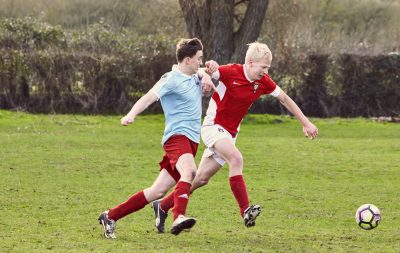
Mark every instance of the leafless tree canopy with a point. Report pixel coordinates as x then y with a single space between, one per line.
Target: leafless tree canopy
214 22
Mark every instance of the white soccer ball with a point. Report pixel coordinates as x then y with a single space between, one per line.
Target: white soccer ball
368 216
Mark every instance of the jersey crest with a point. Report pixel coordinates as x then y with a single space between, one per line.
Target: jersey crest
255 87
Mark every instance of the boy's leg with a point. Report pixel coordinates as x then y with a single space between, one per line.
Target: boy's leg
167 179
167 202
140 199
108 218
187 168
228 151
159 213
160 187
180 152
208 167
136 202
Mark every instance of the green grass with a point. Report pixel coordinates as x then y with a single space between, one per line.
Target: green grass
58 172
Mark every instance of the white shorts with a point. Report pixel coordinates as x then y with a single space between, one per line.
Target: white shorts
210 135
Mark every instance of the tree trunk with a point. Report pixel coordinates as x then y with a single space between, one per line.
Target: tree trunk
212 22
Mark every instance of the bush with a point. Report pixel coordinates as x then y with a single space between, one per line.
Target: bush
28 33
338 85
46 69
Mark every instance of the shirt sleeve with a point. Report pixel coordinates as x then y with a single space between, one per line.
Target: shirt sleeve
224 72
164 86
276 92
271 87
215 75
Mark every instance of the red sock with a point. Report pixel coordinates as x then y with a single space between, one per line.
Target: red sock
181 198
133 204
167 202
238 187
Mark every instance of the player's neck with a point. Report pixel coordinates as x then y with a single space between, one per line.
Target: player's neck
246 73
184 69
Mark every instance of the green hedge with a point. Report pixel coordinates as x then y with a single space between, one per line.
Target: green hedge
339 85
46 69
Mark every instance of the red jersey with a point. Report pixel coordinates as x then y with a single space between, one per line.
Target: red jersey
236 93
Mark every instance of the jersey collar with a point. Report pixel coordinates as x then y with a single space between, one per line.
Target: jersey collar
245 74
176 69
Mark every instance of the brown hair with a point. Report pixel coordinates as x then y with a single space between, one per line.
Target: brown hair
187 48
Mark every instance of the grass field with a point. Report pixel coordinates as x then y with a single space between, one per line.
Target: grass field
58 172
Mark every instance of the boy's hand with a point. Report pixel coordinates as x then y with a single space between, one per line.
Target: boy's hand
211 66
310 131
126 120
207 85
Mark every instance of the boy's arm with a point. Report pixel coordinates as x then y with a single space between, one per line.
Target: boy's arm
309 129
212 69
205 73
144 102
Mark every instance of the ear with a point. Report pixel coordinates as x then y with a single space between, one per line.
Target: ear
187 60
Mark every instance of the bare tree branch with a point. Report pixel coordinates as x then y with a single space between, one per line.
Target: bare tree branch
212 21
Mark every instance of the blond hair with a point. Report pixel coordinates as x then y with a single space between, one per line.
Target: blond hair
258 51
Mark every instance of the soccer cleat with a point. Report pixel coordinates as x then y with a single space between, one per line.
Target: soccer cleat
182 223
108 225
160 216
250 215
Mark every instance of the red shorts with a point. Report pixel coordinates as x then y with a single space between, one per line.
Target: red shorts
174 147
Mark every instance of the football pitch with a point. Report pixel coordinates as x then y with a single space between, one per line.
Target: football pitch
58 172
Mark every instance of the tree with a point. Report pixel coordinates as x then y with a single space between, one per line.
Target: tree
213 21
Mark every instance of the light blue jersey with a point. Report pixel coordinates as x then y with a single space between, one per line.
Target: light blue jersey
180 96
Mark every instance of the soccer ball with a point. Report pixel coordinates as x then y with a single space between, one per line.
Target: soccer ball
368 216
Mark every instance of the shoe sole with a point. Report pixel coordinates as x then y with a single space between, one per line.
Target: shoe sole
186 224
251 222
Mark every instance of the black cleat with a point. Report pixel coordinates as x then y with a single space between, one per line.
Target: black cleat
160 216
108 225
250 215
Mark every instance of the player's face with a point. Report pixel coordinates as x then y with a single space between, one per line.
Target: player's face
195 62
259 68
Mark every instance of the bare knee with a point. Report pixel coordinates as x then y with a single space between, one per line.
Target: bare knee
202 181
199 182
189 174
236 162
193 174
154 193
159 194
